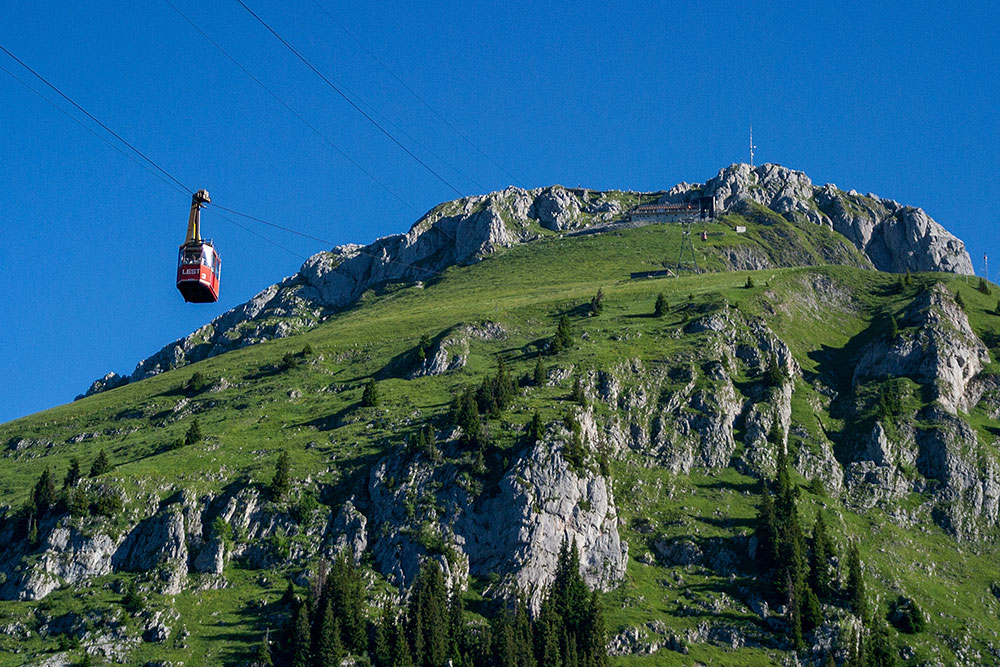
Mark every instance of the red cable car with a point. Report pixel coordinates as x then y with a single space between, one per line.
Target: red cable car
198 263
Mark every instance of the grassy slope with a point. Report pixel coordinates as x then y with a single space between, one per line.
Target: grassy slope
525 289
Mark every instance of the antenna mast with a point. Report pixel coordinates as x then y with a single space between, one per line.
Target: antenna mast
751 145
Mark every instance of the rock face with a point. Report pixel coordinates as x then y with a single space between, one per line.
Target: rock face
892 237
515 533
936 348
940 351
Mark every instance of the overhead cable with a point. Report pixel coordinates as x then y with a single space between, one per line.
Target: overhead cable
91 130
290 109
416 95
316 238
93 118
336 89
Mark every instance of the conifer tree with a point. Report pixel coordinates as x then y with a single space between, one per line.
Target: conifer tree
132 600
401 653
263 656
345 597
767 530
574 451
595 634
422 347
959 301
856 583
538 377
43 497
660 308
819 558
73 474
469 420
597 303
301 639
536 430
382 637
577 395
100 465
879 651
281 481
564 335
429 605
78 501
328 649
370 396
193 434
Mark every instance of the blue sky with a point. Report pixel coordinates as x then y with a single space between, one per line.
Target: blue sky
899 99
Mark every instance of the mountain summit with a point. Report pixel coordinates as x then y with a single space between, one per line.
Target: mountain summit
890 237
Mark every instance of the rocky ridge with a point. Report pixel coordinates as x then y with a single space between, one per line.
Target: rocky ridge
892 237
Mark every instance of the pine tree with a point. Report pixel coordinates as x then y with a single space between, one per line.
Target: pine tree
195 383
429 605
959 301
422 347
893 327
749 283
281 481
343 591
401 653
538 377
564 335
193 434
856 583
577 395
328 649
812 612
597 303
73 474
456 623
288 597
767 530
819 558
983 287
574 451
536 430
595 634
301 640
100 465
370 396
660 309
469 421
132 600
78 500
43 497
547 635
382 639
879 651
263 657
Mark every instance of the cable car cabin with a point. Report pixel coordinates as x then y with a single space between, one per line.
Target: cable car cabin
198 271
198 262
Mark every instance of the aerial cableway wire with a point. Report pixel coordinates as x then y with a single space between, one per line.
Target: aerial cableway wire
316 238
336 89
91 130
93 118
416 95
281 101
173 181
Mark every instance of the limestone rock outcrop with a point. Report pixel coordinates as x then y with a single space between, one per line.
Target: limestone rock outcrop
891 236
514 534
